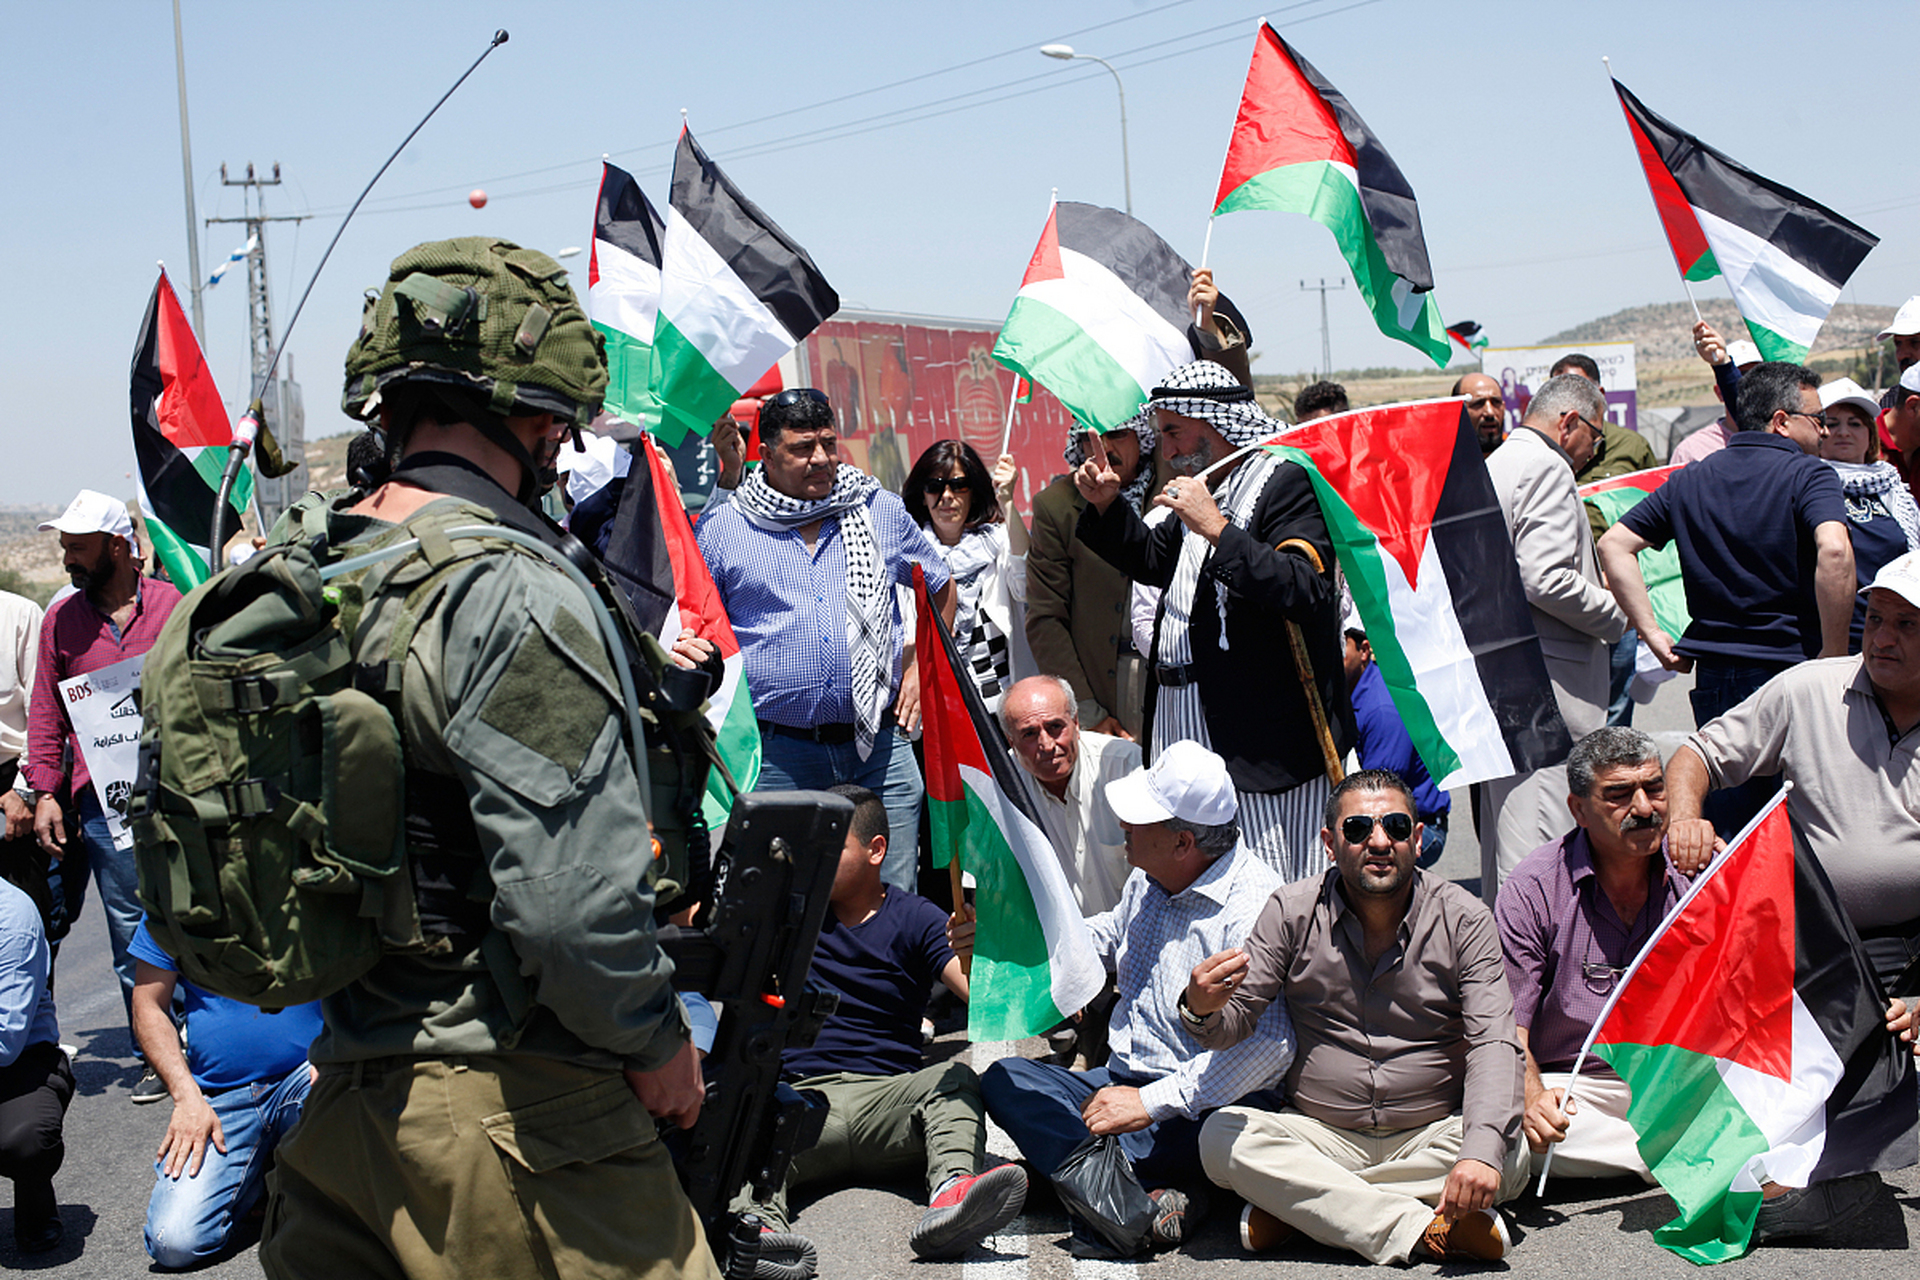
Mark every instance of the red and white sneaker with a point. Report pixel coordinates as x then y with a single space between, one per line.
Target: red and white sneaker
968 1210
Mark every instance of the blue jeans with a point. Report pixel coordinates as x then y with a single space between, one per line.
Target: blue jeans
794 764
118 880
1620 665
189 1218
1038 1104
1719 687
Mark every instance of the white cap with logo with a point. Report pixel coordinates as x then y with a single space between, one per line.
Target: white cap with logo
1186 781
1743 354
93 512
1847 391
1905 321
1900 575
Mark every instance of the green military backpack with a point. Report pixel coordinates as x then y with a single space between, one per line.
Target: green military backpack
269 811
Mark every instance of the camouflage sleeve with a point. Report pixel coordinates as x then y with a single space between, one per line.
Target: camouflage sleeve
536 728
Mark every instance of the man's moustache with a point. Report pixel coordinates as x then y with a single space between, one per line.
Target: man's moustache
1639 823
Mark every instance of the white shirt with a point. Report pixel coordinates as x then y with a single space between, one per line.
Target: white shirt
19 650
1080 825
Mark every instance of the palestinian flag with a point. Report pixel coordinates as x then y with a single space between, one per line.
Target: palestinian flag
1033 958
1752 1033
1660 566
180 435
623 292
1420 536
736 294
1785 258
1298 146
1469 335
1101 315
652 555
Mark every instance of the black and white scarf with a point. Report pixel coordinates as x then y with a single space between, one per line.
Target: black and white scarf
869 598
1141 424
1865 480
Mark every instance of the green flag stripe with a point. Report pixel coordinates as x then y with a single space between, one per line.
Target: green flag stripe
1704 267
1660 566
1359 554
185 566
210 463
1011 960
1324 192
692 393
1053 350
1695 1136
629 369
1775 346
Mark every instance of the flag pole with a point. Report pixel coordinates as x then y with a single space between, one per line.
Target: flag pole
1006 432
1686 899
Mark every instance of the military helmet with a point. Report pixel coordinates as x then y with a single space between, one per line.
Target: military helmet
484 317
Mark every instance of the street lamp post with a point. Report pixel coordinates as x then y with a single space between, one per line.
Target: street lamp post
1065 53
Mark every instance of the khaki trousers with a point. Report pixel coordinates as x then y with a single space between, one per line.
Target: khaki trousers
495 1166
1370 1192
1599 1142
887 1128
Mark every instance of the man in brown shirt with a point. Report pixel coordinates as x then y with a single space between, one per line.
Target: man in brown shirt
1404 1129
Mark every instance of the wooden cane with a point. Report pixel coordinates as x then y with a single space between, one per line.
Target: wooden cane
1303 666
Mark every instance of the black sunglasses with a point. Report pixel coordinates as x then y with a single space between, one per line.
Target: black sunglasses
934 486
1356 828
797 395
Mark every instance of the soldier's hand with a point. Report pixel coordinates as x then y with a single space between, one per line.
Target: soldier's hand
673 1092
689 650
50 827
1215 979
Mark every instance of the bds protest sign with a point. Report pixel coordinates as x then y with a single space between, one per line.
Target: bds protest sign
1520 370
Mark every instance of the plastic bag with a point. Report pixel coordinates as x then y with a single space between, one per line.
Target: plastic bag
1096 1182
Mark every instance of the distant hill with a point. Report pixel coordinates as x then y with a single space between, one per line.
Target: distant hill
1664 331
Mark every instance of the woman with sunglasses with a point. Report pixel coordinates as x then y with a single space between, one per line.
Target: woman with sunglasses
1882 519
970 517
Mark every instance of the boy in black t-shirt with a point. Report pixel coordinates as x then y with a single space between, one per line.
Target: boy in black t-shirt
881 948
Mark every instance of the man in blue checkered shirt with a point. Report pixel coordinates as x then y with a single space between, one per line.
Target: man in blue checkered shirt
807 555
1195 892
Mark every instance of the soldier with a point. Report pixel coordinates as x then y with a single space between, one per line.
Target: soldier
487 1108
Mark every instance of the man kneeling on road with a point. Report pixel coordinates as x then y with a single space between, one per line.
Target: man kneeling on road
1195 891
1572 917
232 1104
1403 1129
881 949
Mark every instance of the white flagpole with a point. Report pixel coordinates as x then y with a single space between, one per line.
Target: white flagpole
1606 1010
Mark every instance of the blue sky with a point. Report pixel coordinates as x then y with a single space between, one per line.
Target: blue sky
911 148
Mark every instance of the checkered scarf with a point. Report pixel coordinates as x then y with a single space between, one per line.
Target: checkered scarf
1205 390
869 599
1141 424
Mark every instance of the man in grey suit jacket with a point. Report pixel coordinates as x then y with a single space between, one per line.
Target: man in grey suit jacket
1572 609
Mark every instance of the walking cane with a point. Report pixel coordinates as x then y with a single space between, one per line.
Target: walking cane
1303 665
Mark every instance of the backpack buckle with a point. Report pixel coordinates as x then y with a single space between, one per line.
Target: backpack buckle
250 797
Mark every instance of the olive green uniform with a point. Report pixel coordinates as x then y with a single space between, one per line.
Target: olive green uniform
462 1126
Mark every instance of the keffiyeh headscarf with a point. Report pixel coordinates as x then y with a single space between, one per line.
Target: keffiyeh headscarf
1141 424
869 598
1860 480
1202 389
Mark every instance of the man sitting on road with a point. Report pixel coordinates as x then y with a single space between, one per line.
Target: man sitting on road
1195 891
1403 1125
1572 917
36 1081
236 1093
881 949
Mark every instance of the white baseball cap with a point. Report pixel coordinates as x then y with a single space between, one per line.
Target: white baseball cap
1900 575
93 512
1847 391
1743 353
1187 781
1905 321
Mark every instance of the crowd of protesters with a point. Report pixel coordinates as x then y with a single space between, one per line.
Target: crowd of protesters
1243 835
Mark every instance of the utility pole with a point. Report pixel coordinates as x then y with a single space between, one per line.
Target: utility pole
194 282
285 412
1326 345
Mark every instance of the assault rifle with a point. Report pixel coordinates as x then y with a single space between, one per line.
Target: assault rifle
773 875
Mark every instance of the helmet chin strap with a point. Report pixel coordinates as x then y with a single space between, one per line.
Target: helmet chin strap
536 476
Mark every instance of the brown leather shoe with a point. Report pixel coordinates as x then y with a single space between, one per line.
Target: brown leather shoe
1478 1237
1261 1232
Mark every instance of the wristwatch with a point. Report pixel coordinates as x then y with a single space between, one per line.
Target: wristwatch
1189 1017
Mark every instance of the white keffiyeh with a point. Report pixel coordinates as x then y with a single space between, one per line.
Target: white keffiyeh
869 598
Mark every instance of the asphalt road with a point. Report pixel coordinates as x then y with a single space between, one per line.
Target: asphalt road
1579 1229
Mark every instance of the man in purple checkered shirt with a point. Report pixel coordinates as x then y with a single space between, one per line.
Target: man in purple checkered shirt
1572 917
806 555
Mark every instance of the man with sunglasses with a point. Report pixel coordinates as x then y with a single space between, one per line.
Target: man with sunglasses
1765 556
1572 917
1576 618
1402 1129
806 556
